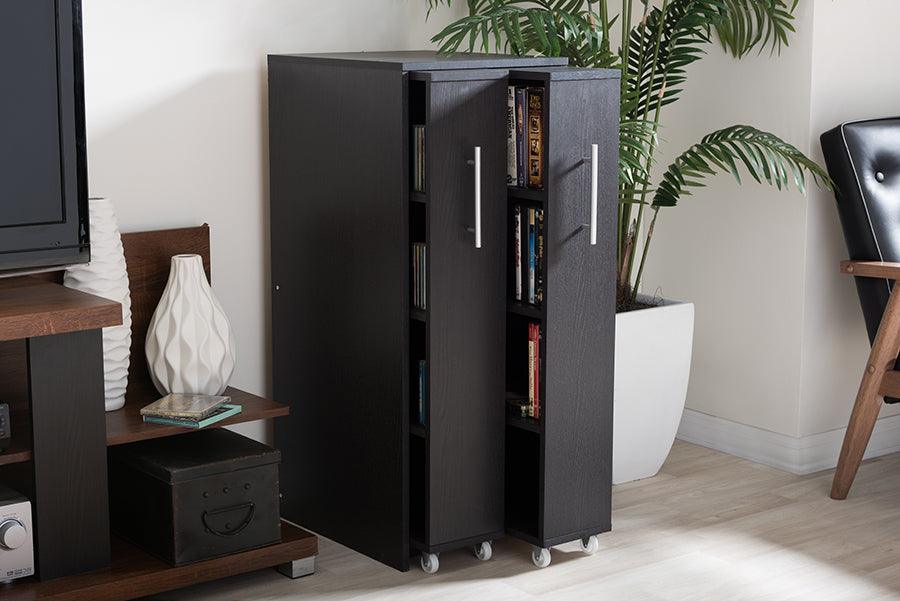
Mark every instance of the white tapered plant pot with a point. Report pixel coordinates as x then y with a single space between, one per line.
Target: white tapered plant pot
653 365
106 276
190 345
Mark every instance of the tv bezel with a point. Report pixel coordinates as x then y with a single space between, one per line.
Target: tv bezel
66 242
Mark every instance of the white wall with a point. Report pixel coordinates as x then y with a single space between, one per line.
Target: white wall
737 251
780 340
855 76
176 120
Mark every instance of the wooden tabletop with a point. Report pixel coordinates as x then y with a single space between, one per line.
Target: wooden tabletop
32 307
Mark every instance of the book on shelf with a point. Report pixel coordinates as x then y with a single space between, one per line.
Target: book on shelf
185 406
422 396
222 412
419 264
536 137
419 158
534 370
528 254
511 150
525 138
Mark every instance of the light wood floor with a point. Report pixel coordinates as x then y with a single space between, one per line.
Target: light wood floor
708 527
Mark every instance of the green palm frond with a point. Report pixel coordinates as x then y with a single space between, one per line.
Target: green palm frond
637 141
764 156
550 28
749 24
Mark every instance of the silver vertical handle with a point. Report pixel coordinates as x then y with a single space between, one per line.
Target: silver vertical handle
594 183
478 197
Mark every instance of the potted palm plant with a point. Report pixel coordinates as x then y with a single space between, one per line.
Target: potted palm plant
659 40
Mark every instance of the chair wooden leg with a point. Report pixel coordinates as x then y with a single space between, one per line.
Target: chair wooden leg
868 399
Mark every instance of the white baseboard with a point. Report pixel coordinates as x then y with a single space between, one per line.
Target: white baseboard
796 455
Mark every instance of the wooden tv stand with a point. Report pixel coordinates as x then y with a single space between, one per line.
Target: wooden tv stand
50 345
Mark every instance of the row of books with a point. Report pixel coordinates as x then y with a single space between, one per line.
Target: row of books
189 410
534 370
419 280
525 137
422 396
528 254
419 158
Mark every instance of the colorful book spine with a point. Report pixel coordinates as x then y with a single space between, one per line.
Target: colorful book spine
517 251
539 259
423 391
419 158
419 283
531 388
511 151
536 411
521 135
531 255
535 114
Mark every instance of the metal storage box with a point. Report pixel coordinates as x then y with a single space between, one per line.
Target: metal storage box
196 496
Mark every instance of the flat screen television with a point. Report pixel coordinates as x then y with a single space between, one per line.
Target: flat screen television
43 165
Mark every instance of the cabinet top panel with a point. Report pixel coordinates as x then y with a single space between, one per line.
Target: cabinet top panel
424 60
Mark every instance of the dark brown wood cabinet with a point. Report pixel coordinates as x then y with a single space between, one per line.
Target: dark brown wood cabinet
357 467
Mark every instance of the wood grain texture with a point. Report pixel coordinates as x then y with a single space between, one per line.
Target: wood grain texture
36 307
134 574
871 269
339 220
148 256
708 527
70 505
419 60
466 335
579 327
127 425
868 399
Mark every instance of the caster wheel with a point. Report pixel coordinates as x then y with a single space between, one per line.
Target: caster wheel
540 557
484 551
430 563
590 545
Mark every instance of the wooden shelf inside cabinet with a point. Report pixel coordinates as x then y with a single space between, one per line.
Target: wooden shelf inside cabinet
135 574
417 430
126 425
527 194
419 197
524 309
418 315
523 423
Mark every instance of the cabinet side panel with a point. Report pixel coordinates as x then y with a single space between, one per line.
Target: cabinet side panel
580 310
466 313
339 313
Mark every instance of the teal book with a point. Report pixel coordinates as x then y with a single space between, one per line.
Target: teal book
223 412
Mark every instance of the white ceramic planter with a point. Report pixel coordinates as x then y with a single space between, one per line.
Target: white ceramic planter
653 365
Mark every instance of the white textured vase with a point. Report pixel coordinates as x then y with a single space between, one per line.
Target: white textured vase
190 346
106 276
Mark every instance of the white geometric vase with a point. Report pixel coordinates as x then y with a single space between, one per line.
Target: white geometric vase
190 346
106 276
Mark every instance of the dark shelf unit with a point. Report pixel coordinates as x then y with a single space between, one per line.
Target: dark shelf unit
558 475
357 467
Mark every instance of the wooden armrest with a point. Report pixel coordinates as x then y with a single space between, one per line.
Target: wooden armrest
872 269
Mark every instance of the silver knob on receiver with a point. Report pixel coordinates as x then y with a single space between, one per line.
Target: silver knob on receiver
12 534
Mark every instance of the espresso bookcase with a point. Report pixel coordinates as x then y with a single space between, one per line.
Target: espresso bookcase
349 334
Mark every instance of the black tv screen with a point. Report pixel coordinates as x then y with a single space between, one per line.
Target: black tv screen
43 172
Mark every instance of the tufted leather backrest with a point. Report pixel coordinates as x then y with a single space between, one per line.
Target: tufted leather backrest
863 160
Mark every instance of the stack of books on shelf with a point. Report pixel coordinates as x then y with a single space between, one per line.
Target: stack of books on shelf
528 254
422 396
189 410
534 370
525 137
419 158
419 262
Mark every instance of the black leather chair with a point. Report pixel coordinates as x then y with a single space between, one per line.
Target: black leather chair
863 160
